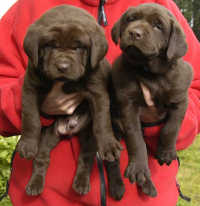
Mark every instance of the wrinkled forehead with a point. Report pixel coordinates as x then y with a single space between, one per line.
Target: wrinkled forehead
67 34
149 11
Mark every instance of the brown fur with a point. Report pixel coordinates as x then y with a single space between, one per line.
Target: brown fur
152 44
66 44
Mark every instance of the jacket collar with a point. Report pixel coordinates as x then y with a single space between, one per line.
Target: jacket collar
96 2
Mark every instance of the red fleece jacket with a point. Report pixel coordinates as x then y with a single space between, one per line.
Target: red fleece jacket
62 168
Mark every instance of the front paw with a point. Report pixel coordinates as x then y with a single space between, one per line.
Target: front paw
141 175
81 183
165 156
116 188
110 150
27 148
35 185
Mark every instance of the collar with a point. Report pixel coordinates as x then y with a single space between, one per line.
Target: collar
97 2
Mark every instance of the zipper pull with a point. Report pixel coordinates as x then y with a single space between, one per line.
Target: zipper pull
101 13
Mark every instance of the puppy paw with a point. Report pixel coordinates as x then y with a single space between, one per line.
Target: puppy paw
27 148
141 175
81 183
149 188
110 150
165 156
35 185
116 188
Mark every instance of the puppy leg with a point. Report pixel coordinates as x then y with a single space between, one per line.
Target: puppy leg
81 183
137 169
31 127
115 182
109 147
166 151
49 140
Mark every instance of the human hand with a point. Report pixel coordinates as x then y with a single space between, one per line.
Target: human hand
59 103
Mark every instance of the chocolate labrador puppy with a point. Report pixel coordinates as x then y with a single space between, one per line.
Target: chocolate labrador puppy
66 44
152 44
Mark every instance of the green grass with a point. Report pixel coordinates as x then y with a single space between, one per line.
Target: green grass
188 177
189 174
7 146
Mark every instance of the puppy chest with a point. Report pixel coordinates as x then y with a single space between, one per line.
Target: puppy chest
150 94
72 87
158 95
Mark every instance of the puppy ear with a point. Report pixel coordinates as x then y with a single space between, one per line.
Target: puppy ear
116 29
115 32
177 46
31 46
99 47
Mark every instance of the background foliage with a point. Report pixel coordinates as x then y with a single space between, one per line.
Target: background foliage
7 146
191 10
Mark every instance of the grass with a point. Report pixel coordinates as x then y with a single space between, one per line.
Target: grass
189 174
188 177
7 146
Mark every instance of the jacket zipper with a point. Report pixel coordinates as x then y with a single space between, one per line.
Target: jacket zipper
102 19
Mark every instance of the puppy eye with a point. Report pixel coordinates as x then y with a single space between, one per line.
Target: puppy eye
158 25
131 18
50 46
80 47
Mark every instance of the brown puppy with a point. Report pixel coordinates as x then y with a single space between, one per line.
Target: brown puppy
152 44
66 44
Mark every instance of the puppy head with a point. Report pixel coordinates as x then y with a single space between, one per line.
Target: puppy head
149 30
65 50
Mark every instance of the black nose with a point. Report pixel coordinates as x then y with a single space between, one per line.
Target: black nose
136 34
62 66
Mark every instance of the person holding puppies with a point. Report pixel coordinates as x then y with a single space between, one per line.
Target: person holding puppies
13 27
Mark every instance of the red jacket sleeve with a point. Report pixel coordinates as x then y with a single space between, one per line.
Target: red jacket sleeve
11 77
191 124
13 61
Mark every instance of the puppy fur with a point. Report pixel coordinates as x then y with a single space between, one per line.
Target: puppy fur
66 44
152 44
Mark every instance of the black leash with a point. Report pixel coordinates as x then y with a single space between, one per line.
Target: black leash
182 196
102 20
102 180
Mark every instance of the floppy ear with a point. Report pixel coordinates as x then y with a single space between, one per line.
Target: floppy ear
177 46
99 47
31 45
115 32
116 29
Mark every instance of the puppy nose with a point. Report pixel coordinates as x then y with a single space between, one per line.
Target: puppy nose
62 66
136 33
72 124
